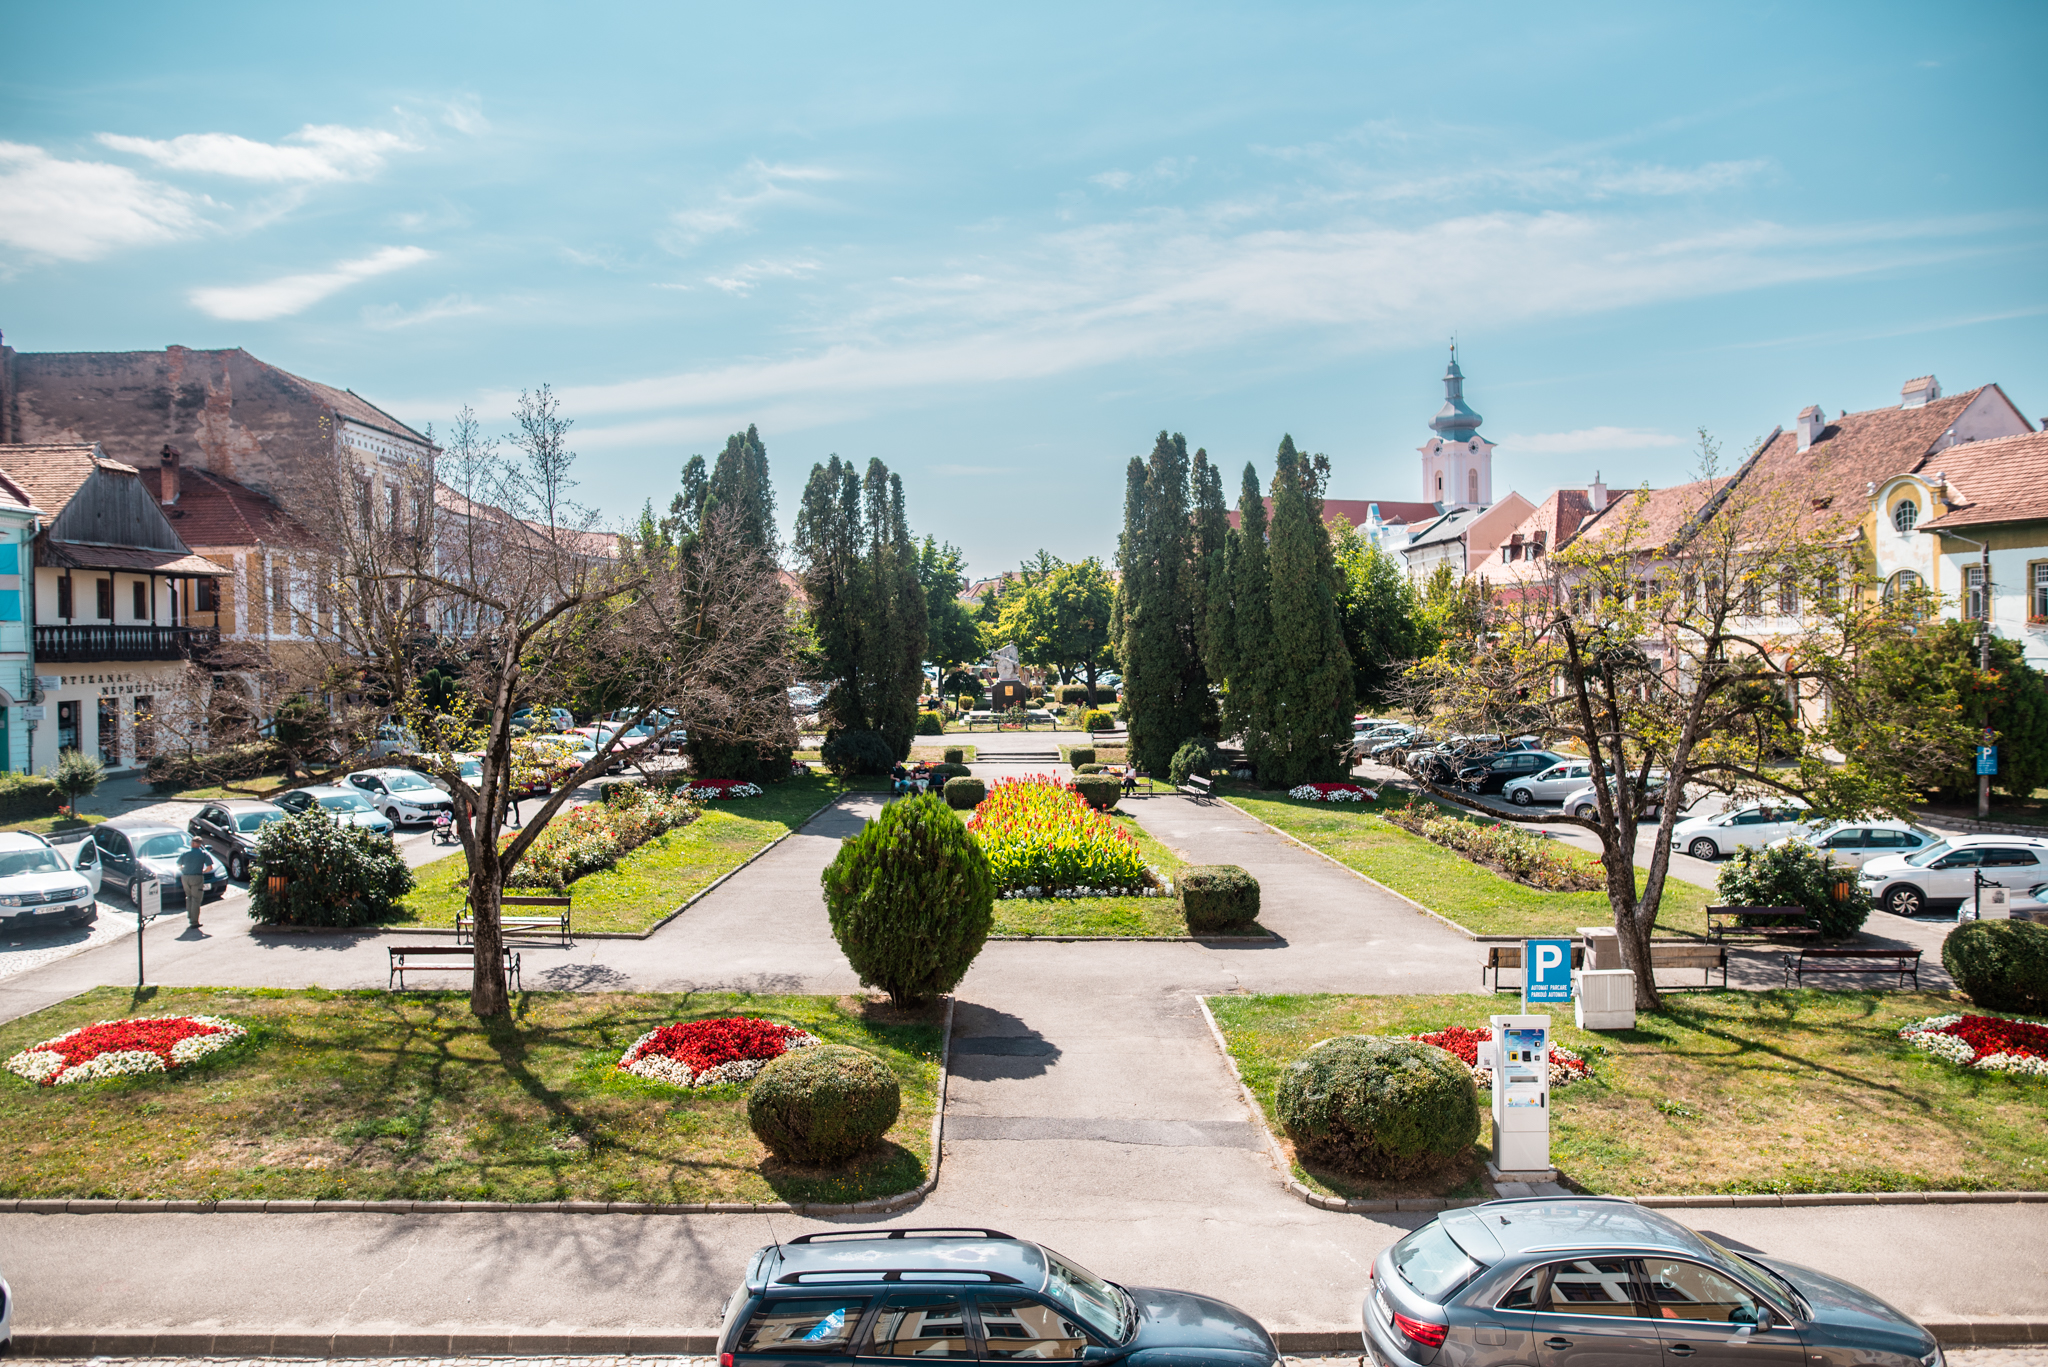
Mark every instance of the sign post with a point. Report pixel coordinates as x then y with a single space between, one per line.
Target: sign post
150 901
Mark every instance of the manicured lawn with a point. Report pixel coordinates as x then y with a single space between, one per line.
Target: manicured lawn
658 877
55 825
1792 1091
1449 884
380 1096
933 748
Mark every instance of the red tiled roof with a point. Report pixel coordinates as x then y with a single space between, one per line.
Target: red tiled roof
216 512
2001 480
51 473
1663 513
1853 452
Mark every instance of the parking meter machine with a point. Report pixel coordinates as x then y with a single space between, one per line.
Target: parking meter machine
1521 1094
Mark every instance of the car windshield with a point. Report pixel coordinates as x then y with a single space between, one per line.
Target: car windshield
406 783
162 846
1086 1297
256 821
38 860
1757 1272
1928 855
345 802
470 770
1431 1261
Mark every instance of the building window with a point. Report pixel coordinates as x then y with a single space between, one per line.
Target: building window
10 557
64 597
142 612
1753 597
1905 581
67 725
2038 582
205 596
1439 484
106 598
10 605
1471 486
1788 596
1906 515
1973 593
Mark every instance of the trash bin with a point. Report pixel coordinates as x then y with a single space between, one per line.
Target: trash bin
1606 998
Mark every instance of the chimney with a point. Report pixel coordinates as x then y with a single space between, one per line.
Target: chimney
1597 495
1918 393
1811 423
167 493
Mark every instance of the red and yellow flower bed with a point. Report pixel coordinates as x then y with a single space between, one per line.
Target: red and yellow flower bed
1044 840
597 835
1991 1043
707 1053
1474 1049
146 1044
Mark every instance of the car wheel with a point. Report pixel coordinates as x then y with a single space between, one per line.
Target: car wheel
238 867
1703 848
1584 811
1523 797
1905 901
135 893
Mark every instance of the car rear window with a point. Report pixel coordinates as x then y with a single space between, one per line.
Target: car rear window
822 1324
256 821
1431 1262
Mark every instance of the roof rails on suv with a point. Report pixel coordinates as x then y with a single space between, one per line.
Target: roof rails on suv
825 1235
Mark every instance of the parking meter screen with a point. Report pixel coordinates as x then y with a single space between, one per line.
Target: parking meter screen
1525 1046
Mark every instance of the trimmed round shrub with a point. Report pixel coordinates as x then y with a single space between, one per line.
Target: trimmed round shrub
1098 721
2003 965
1091 768
931 724
1193 758
847 753
1794 875
1386 1108
1078 755
1099 791
954 754
965 794
1218 896
945 773
911 899
1078 693
334 875
824 1104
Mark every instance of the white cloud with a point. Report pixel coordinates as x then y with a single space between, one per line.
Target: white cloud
79 210
385 317
742 280
324 152
1592 439
734 207
1590 180
1165 171
466 115
289 294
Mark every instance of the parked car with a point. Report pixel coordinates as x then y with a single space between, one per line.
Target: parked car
541 719
6 1317
1752 823
403 795
469 767
79 853
38 887
1582 803
345 805
1554 784
230 829
1944 875
897 1294
1396 750
393 739
1598 1280
135 849
1495 772
1856 843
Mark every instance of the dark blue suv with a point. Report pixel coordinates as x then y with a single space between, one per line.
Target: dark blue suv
873 1297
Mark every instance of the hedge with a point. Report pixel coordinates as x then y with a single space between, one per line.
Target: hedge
24 797
333 875
1078 755
931 724
1218 896
1383 1108
172 772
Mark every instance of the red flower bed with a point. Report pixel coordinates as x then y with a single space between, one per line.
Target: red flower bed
1465 1043
701 1053
1990 1035
150 1044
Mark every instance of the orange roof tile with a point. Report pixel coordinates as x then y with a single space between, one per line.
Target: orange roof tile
213 511
2001 480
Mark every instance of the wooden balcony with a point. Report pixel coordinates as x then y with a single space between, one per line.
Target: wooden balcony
91 644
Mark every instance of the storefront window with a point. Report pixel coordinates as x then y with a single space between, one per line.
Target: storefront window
67 725
110 730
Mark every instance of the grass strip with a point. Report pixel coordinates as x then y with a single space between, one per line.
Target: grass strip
655 879
1448 883
406 1096
1736 1092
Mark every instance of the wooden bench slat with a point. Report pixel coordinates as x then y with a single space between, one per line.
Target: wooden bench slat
400 953
1904 963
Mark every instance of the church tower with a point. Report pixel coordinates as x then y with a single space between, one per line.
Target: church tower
1457 463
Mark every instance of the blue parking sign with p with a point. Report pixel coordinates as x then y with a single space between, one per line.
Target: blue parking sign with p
1547 970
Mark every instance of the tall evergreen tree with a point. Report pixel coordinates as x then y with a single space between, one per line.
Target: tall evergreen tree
1382 614
739 483
1310 694
1247 589
1212 559
1166 687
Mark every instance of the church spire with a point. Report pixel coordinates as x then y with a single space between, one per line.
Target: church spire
1455 421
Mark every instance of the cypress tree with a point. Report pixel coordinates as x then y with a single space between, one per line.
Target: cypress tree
1166 686
1310 695
1248 583
1212 558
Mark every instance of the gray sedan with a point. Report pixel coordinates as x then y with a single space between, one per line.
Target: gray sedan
1592 1282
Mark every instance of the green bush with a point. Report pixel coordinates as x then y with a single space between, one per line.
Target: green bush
942 773
1098 721
24 797
1100 791
847 753
1078 755
1218 897
1385 1108
911 899
76 775
1070 694
954 754
1091 768
334 875
1794 875
931 724
965 794
2003 965
172 772
823 1104
1191 759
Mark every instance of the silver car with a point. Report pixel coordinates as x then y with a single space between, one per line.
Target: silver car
1855 843
1592 1282
345 805
39 887
1554 784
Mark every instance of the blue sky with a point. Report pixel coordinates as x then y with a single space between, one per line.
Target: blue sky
1001 251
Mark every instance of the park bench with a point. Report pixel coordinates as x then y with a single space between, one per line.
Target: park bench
1761 923
1674 954
458 957
554 923
1198 787
1902 963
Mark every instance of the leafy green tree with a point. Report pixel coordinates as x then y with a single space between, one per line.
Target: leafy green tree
955 636
1310 668
1384 628
1940 660
1166 688
1061 619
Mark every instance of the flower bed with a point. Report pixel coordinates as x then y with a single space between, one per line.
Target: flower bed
1507 850
707 1053
147 1044
1565 1066
1992 1043
1331 792
598 835
1044 840
719 789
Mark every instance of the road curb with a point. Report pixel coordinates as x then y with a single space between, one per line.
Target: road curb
879 1205
1141 939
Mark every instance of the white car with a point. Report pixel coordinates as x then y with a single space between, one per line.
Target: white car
1753 823
1554 784
1856 843
404 795
1581 802
38 886
1944 875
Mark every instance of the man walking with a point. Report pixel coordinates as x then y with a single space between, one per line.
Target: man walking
193 866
